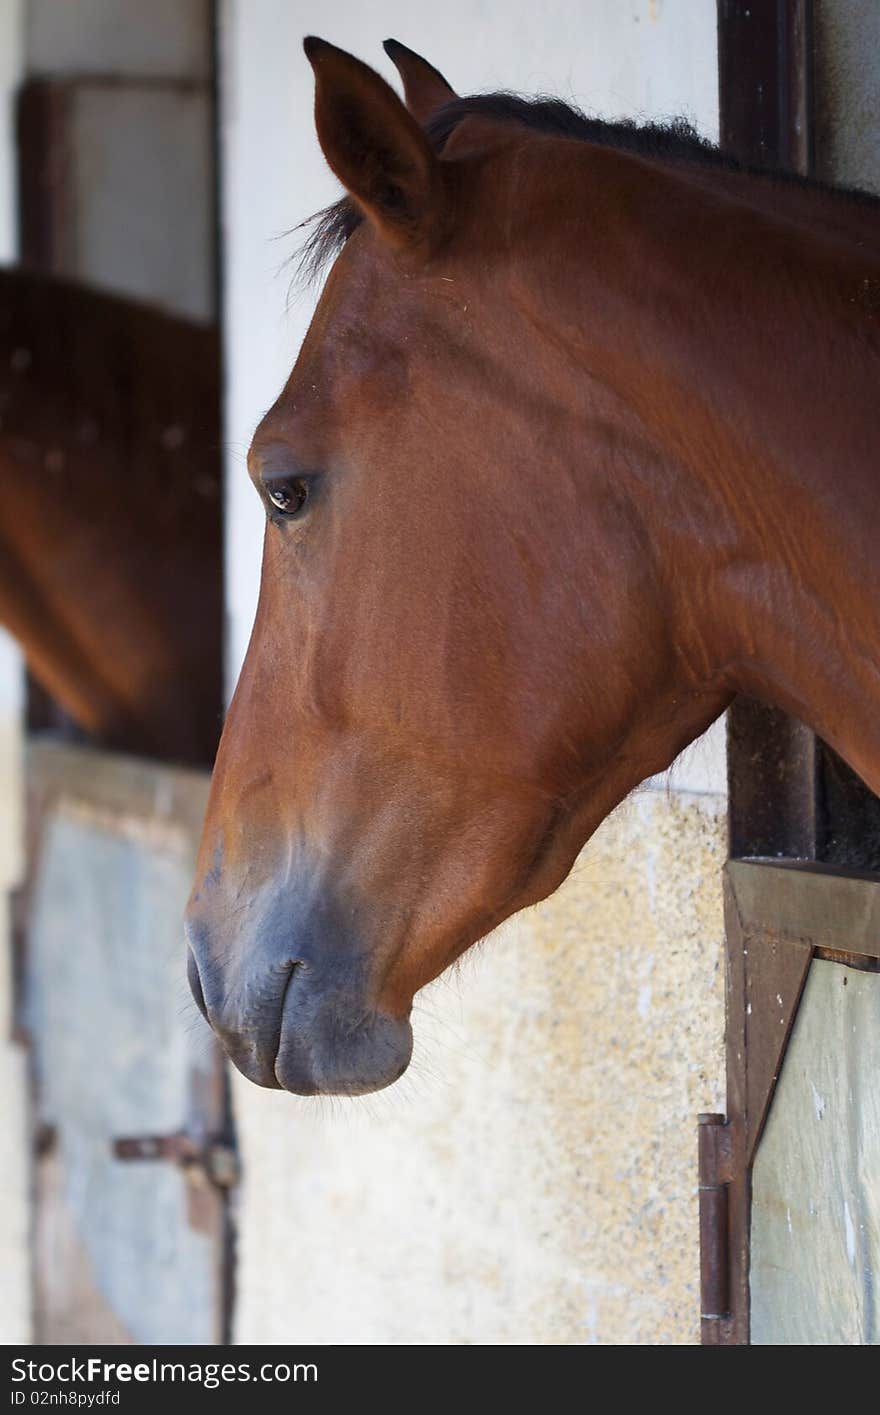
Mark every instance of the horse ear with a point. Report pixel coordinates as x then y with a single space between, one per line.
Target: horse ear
425 88
377 149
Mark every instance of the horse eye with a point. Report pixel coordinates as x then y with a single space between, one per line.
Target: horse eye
289 497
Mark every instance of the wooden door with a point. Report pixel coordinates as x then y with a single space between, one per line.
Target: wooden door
134 1159
790 1200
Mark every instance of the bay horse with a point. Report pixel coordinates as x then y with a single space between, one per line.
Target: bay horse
581 442
110 505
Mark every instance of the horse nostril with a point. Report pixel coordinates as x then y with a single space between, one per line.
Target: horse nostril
195 983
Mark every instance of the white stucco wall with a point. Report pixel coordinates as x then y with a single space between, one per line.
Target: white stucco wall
532 1179
14 1275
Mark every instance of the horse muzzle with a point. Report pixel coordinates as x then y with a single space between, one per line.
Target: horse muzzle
300 1026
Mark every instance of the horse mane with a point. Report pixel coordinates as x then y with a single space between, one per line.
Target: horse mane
674 140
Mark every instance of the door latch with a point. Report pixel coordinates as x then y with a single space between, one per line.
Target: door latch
209 1161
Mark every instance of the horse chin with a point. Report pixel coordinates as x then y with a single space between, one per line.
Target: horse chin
329 1058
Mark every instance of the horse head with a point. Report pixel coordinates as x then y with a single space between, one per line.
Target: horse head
470 642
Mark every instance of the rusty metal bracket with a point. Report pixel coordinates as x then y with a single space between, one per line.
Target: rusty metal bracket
212 1161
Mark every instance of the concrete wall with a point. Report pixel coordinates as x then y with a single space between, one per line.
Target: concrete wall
14 1275
532 1178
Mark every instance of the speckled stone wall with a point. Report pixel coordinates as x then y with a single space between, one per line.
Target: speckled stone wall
532 1179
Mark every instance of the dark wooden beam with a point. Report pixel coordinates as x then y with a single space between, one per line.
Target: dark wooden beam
766 120
765 72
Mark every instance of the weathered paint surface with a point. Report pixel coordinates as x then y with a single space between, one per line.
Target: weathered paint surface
815 1197
14 1275
533 1179
119 1051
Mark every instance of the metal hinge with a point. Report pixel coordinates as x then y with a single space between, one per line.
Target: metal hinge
715 1172
211 1161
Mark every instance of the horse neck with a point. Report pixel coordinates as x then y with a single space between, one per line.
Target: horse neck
107 552
54 654
72 594
747 353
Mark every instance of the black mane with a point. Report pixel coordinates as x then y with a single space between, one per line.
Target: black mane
676 140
